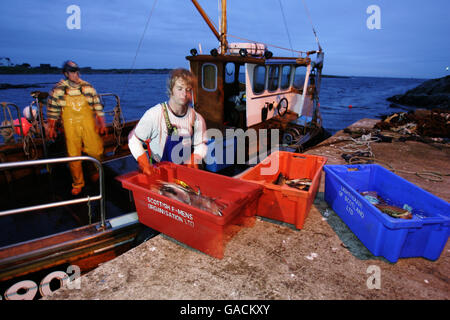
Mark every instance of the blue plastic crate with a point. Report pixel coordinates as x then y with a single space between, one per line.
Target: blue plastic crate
214 161
425 235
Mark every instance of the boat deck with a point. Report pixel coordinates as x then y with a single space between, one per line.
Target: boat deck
54 184
274 261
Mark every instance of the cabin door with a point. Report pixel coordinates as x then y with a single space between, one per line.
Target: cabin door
209 97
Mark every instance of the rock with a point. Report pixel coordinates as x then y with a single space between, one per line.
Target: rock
434 93
422 113
433 123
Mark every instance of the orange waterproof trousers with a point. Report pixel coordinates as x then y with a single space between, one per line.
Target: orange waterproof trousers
79 129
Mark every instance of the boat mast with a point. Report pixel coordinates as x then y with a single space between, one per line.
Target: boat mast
222 36
223 29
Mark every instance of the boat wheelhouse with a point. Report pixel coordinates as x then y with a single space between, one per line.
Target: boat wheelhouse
243 86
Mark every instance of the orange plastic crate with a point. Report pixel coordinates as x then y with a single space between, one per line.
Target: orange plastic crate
284 203
194 227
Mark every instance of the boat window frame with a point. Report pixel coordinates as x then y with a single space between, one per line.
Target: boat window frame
207 64
241 67
271 80
289 76
264 85
226 72
294 77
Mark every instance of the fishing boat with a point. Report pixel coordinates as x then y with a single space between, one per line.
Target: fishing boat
241 88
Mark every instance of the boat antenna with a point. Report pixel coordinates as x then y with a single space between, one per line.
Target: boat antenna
285 25
138 48
312 25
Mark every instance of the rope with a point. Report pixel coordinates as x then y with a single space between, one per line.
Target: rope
138 48
285 25
118 123
29 147
287 31
312 25
366 140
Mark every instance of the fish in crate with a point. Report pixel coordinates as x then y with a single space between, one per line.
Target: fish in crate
181 191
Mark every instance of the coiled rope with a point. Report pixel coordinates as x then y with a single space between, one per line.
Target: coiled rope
29 146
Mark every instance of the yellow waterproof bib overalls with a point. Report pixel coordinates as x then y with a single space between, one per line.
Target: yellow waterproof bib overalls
79 129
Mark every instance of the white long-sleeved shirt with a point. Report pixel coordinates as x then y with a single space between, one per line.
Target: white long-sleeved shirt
153 126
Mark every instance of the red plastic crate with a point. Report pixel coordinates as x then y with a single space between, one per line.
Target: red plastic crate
284 203
194 227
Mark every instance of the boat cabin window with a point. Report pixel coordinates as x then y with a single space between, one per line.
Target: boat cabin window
259 79
209 77
299 77
230 72
285 77
241 75
274 75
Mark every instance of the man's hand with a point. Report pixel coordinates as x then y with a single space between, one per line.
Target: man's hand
51 130
100 125
145 165
194 161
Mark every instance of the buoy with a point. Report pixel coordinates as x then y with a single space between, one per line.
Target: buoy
350 106
25 126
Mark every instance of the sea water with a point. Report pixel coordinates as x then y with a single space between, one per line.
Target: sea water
343 101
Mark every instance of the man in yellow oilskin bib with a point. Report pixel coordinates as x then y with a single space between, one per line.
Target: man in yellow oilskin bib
75 101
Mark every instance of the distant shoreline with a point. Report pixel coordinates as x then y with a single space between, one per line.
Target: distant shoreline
88 70
55 70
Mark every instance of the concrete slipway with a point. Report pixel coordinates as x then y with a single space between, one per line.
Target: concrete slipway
274 261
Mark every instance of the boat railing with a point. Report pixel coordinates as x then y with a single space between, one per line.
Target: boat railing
87 199
9 119
115 112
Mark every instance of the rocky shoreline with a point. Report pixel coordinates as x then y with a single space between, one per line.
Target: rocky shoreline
4 86
434 93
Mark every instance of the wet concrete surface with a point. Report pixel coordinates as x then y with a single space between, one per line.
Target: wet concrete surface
273 261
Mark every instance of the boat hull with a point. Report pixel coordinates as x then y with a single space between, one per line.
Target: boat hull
36 244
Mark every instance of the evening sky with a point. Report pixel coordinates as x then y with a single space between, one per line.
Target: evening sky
412 40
